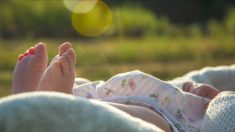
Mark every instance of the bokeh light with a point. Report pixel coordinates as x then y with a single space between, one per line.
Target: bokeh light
94 22
81 6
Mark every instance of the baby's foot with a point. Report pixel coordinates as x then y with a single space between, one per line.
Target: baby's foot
60 75
29 69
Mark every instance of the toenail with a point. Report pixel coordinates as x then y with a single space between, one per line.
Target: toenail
39 44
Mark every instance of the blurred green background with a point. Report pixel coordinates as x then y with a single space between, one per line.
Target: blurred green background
164 38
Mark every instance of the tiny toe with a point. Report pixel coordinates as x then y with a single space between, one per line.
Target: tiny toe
26 53
21 56
69 59
40 49
31 51
63 47
39 44
64 65
72 54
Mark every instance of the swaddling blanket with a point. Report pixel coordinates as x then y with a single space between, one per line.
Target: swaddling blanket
183 111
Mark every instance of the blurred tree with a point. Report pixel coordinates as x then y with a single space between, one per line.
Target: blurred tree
29 18
183 11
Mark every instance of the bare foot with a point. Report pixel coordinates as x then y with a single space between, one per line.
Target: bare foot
60 75
29 69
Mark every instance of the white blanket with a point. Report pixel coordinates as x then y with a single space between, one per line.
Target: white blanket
56 112
221 77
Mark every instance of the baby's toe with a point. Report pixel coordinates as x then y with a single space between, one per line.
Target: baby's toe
64 65
63 47
72 54
40 49
21 56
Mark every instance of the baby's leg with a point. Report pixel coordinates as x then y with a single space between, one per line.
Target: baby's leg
60 75
29 69
144 114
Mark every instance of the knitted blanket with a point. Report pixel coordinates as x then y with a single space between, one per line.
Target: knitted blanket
56 112
221 77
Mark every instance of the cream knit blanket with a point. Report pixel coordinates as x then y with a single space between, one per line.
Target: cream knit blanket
57 112
221 77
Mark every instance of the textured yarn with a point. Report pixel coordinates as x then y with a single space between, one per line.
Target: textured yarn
220 115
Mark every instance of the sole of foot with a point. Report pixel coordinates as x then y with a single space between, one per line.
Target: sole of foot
29 69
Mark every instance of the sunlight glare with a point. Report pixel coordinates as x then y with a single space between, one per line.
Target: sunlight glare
92 23
80 6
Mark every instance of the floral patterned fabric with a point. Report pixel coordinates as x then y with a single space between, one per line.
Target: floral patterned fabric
183 111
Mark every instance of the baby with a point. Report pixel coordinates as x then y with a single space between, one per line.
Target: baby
139 94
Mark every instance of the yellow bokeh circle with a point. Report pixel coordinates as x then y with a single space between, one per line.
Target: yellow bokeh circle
94 22
81 6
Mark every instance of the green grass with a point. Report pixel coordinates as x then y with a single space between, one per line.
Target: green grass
163 57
